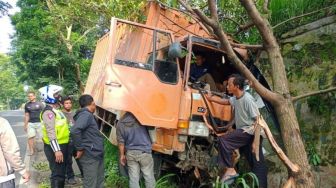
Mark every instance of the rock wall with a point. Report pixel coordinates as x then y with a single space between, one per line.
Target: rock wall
310 57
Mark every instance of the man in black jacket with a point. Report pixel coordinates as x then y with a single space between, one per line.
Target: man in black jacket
89 143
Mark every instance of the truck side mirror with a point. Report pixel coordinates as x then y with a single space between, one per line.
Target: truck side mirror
175 51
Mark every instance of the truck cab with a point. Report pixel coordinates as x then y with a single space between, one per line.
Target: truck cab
144 69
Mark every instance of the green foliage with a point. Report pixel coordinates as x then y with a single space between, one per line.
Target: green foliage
4 6
318 105
282 10
37 51
313 157
246 180
11 92
54 36
232 15
41 166
166 182
44 185
111 161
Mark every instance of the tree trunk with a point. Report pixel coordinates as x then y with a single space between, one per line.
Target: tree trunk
78 79
290 129
77 67
283 105
280 98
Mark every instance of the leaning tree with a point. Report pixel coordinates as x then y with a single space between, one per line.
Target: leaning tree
280 97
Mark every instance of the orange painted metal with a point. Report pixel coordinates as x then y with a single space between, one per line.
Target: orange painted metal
223 112
178 22
122 75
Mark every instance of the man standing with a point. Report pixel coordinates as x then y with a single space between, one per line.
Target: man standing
245 116
32 122
55 134
10 159
69 114
89 143
135 148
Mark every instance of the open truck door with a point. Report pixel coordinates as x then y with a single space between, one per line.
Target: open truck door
138 75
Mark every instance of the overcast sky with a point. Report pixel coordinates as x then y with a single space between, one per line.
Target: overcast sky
6 28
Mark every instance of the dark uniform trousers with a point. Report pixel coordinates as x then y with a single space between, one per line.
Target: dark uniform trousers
57 178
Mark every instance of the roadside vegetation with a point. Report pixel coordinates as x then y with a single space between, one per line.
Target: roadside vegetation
54 43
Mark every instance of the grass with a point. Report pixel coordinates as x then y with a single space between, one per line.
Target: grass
166 182
41 166
112 175
282 10
115 180
246 180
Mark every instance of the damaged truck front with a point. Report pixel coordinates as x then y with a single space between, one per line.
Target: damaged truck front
144 69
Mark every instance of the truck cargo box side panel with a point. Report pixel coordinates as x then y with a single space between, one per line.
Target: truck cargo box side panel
178 22
96 77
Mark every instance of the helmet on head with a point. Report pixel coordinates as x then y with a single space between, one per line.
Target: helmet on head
48 93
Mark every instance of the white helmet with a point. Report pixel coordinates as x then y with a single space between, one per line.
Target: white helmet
48 92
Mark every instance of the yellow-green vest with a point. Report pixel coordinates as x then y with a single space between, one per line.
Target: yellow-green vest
61 128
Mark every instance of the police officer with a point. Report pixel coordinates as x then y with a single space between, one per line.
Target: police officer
55 130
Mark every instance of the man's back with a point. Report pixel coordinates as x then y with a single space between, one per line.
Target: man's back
133 135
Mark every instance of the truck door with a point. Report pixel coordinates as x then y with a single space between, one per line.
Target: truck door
139 76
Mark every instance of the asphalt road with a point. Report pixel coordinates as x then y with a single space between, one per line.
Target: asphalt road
15 118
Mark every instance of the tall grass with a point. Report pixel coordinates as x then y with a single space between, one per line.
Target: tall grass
247 180
112 175
115 180
282 10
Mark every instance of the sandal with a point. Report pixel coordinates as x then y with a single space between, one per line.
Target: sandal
229 179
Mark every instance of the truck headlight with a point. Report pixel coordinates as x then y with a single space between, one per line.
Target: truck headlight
197 128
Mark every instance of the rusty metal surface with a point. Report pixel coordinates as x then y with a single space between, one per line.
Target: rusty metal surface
179 23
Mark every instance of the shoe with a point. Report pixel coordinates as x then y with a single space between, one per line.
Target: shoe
57 184
71 181
229 179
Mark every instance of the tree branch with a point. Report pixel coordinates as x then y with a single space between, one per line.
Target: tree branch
198 13
300 16
261 23
244 27
226 46
266 6
69 31
249 46
84 34
294 168
294 99
221 16
213 9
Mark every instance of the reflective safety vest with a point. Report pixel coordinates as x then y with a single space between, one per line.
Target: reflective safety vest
61 128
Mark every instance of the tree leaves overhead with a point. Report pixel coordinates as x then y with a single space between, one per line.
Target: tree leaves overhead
11 92
53 36
4 6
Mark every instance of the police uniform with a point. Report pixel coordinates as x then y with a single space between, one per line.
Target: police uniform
55 130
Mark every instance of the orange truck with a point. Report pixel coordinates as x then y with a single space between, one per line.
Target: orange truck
144 69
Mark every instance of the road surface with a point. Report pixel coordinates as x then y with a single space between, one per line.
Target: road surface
37 164
15 118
